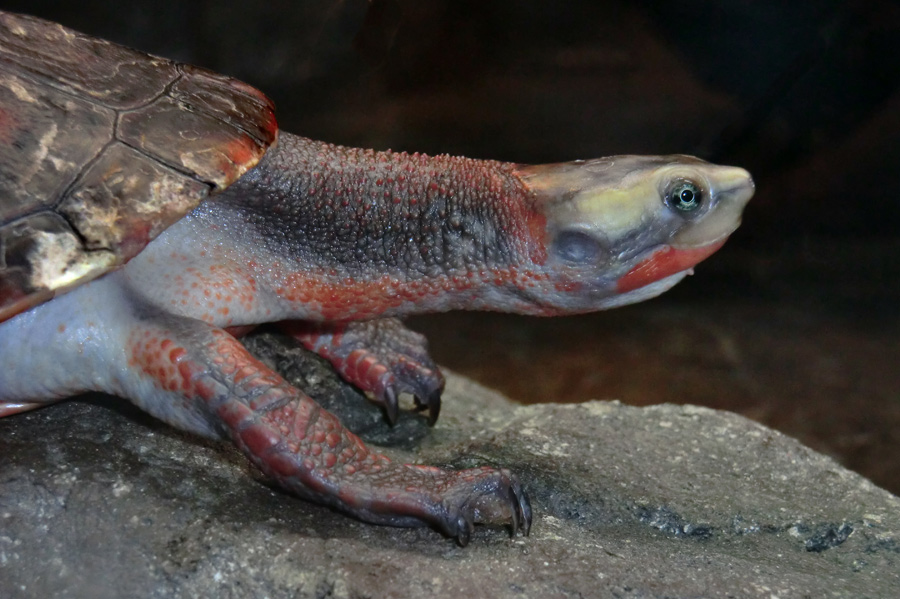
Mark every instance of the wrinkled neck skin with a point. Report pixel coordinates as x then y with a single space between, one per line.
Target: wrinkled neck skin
350 233
322 232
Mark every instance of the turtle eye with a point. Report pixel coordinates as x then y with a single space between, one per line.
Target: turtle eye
685 196
577 247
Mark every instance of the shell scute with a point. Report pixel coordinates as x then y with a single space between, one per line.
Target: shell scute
101 148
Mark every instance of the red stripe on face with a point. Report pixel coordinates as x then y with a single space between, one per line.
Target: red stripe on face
662 263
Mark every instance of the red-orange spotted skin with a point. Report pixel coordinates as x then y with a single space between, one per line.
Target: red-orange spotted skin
337 244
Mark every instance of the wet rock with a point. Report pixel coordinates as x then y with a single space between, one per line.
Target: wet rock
99 500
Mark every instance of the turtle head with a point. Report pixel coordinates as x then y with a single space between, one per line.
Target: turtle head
626 228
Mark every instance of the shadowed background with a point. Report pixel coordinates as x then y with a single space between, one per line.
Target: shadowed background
795 323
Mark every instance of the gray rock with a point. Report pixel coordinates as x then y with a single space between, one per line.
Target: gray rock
98 500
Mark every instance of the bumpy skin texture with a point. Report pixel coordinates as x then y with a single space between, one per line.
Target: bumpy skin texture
344 240
380 233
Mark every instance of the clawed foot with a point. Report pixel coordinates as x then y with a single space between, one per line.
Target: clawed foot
485 496
380 356
452 502
386 373
386 359
307 450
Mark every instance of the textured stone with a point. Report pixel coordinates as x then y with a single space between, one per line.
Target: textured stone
98 500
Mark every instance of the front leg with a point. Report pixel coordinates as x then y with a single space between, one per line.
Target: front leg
305 448
380 356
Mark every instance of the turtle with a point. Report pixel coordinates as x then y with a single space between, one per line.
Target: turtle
151 212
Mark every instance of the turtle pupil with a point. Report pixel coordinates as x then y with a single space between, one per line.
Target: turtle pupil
685 197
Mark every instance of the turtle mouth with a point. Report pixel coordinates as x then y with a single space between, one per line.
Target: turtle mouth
663 262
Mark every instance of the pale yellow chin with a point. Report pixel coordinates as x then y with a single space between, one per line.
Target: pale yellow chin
646 292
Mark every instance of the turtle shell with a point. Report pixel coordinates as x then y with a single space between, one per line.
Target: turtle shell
103 147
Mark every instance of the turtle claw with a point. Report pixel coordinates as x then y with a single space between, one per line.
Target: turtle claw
514 513
520 507
388 400
432 403
523 512
464 528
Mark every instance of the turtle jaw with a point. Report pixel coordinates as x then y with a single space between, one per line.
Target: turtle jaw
663 264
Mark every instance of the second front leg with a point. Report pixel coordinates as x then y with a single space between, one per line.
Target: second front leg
380 356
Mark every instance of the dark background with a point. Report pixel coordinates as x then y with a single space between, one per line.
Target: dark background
795 323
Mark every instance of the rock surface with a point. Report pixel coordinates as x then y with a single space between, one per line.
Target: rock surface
98 500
